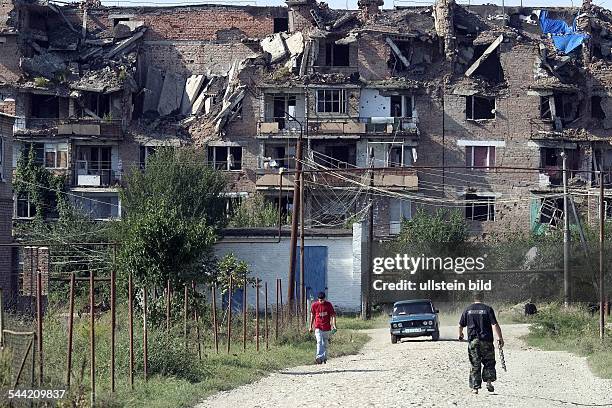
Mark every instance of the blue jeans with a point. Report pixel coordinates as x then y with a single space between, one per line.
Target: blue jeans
322 342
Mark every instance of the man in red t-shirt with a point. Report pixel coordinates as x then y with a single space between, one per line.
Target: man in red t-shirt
323 320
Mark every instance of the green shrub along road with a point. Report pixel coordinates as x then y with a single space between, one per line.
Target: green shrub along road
573 330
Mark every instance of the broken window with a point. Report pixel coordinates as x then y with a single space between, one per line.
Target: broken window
479 207
551 212
336 55
283 109
552 164
489 68
479 157
335 154
56 155
479 107
399 156
401 106
145 153
597 111
411 55
399 210
277 156
97 206
608 208
118 20
559 105
95 104
331 101
44 106
93 165
225 157
545 111
38 150
281 24
24 208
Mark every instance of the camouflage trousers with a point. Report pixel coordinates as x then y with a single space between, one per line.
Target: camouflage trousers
482 358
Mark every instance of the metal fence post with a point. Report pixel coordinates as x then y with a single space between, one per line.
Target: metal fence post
39 326
70 330
131 327
214 318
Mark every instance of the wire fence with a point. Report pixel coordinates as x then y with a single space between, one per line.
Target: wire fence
85 344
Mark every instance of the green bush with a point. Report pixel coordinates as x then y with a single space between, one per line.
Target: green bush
559 322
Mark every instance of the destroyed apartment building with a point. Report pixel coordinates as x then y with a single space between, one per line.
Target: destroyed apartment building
96 89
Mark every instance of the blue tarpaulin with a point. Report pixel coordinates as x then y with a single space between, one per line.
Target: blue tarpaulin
565 38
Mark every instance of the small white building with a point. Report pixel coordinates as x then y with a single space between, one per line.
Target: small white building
332 263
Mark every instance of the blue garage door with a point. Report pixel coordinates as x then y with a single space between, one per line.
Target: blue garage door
315 270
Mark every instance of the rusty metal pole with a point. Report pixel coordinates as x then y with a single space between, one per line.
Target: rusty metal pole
1 321
229 316
282 307
257 315
113 319
70 330
92 336
277 311
266 314
168 305
145 335
244 315
214 318
185 318
131 328
197 323
39 326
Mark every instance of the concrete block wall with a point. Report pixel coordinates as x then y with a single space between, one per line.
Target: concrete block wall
269 261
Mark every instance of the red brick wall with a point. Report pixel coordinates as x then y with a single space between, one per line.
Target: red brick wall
6 209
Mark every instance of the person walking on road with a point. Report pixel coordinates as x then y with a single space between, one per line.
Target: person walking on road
480 321
323 321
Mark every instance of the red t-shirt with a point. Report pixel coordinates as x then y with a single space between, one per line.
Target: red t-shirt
323 311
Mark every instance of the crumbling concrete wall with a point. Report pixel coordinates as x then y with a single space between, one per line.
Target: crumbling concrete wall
9 63
6 11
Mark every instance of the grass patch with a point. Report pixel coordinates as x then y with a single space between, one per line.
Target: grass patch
177 377
356 323
558 329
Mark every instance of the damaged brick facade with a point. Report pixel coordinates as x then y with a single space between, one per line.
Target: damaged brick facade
452 91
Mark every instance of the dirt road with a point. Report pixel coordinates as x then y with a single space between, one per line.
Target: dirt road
419 373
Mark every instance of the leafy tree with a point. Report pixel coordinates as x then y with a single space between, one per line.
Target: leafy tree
255 211
447 228
172 211
230 266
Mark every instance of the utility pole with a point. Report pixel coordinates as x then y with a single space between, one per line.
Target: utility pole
602 211
366 303
295 213
566 273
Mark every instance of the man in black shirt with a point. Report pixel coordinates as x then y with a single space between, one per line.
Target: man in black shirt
480 321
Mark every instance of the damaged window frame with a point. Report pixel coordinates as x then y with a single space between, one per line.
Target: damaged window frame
470 102
145 151
337 55
321 101
229 164
30 208
403 209
57 150
471 207
470 155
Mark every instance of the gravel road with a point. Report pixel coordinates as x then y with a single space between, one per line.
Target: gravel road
421 373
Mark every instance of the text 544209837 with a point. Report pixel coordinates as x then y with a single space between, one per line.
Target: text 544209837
36 394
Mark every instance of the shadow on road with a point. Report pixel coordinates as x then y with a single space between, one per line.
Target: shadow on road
416 340
329 372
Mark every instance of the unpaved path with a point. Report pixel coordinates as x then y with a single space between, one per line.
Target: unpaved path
419 373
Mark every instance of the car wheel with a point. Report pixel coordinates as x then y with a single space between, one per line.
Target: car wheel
435 336
394 339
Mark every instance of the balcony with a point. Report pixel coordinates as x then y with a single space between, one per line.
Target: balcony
339 125
544 129
111 128
92 177
270 180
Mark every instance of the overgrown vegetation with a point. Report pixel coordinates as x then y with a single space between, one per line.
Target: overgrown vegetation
573 330
177 377
255 211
